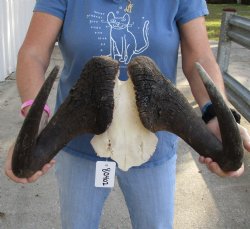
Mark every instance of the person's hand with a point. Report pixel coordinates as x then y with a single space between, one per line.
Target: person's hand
213 166
34 177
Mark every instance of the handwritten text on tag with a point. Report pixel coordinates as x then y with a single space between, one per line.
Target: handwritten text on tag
105 174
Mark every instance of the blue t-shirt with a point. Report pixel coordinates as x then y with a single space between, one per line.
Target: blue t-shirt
93 28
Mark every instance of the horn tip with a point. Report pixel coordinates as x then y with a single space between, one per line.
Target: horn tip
56 68
203 74
198 65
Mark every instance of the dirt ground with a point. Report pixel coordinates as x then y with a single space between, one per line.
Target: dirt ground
203 200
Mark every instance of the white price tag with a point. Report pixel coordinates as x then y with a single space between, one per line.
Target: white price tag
105 174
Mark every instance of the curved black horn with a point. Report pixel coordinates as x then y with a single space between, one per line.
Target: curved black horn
26 139
231 139
162 107
87 109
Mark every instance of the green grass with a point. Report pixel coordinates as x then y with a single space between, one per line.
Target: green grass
213 20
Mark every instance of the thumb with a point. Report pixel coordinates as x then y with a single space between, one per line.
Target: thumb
245 137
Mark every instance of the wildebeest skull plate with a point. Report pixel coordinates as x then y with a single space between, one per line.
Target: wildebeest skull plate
126 140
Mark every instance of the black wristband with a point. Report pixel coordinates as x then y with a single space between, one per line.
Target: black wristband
209 114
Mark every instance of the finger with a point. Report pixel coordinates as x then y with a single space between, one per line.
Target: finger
208 160
8 169
205 160
247 145
52 162
11 175
245 137
215 168
35 177
9 157
202 159
237 173
46 168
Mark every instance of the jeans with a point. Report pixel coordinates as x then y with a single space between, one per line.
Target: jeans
148 192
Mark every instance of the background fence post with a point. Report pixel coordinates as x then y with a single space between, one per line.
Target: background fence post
234 29
224 48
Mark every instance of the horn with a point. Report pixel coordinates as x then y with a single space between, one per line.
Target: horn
22 154
87 109
231 139
162 106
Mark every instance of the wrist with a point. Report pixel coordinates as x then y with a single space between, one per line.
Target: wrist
25 107
204 107
24 111
208 113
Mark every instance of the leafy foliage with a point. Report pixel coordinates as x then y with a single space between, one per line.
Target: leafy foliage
213 20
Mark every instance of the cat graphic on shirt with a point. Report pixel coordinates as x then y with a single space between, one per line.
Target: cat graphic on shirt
123 44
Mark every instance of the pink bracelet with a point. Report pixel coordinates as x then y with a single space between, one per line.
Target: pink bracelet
29 103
